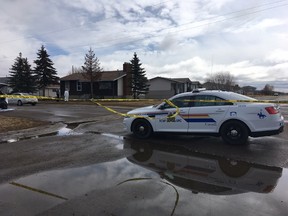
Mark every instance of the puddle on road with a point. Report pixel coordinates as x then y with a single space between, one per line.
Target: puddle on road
67 183
62 132
153 175
6 110
65 131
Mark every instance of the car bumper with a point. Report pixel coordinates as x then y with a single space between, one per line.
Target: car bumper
127 124
268 133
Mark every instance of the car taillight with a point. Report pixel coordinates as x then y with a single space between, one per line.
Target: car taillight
271 110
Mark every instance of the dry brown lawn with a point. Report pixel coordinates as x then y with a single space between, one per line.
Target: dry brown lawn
8 123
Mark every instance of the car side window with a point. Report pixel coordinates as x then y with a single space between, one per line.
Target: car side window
180 102
209 100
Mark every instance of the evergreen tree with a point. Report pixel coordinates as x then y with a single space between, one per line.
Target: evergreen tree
91 69
44 70
139 82
22 78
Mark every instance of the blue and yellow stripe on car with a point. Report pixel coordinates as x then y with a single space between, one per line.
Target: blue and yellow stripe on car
197 118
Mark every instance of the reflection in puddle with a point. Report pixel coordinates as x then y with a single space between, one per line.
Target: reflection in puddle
113 136
67 183
205 173
150 179
62 132
67 132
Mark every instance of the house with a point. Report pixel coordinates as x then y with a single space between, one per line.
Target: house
161 87
48 91
111 84
249 90
4 85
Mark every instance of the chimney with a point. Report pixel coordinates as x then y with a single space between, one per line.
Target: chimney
127 68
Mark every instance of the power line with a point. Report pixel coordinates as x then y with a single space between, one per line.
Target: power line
188 23
206 22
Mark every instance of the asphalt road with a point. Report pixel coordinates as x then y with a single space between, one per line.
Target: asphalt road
94 168
98 120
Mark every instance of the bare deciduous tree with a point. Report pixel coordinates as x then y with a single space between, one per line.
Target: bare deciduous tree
268 89
221 81
75 70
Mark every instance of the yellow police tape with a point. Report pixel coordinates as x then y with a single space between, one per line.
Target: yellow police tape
139 116
136 100
37 190
173 115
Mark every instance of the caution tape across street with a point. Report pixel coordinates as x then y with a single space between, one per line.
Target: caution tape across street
99 103
148 100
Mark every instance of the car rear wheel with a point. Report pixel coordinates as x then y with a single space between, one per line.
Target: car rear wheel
19 103
234 132
142 129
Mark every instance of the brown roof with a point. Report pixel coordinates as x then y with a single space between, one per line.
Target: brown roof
179 80
182 80
106 76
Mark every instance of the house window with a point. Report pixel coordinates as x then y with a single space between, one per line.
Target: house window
79 86
105 85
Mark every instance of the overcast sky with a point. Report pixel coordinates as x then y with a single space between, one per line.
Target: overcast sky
174 39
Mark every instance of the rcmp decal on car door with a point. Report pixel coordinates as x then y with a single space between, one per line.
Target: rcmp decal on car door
197 118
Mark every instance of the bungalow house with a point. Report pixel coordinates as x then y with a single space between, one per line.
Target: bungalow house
161 87
4 86
249 90
50 90
111 84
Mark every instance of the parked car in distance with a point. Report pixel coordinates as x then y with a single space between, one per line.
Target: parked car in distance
22 98
232 116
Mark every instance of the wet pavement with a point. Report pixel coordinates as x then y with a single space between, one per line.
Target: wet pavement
95 168
148 179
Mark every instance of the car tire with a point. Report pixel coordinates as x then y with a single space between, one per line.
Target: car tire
19 103
234 132
141 129
3 105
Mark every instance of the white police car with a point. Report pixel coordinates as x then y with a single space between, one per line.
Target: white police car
232 116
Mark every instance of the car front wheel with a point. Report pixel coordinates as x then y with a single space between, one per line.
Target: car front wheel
142 129
234 132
